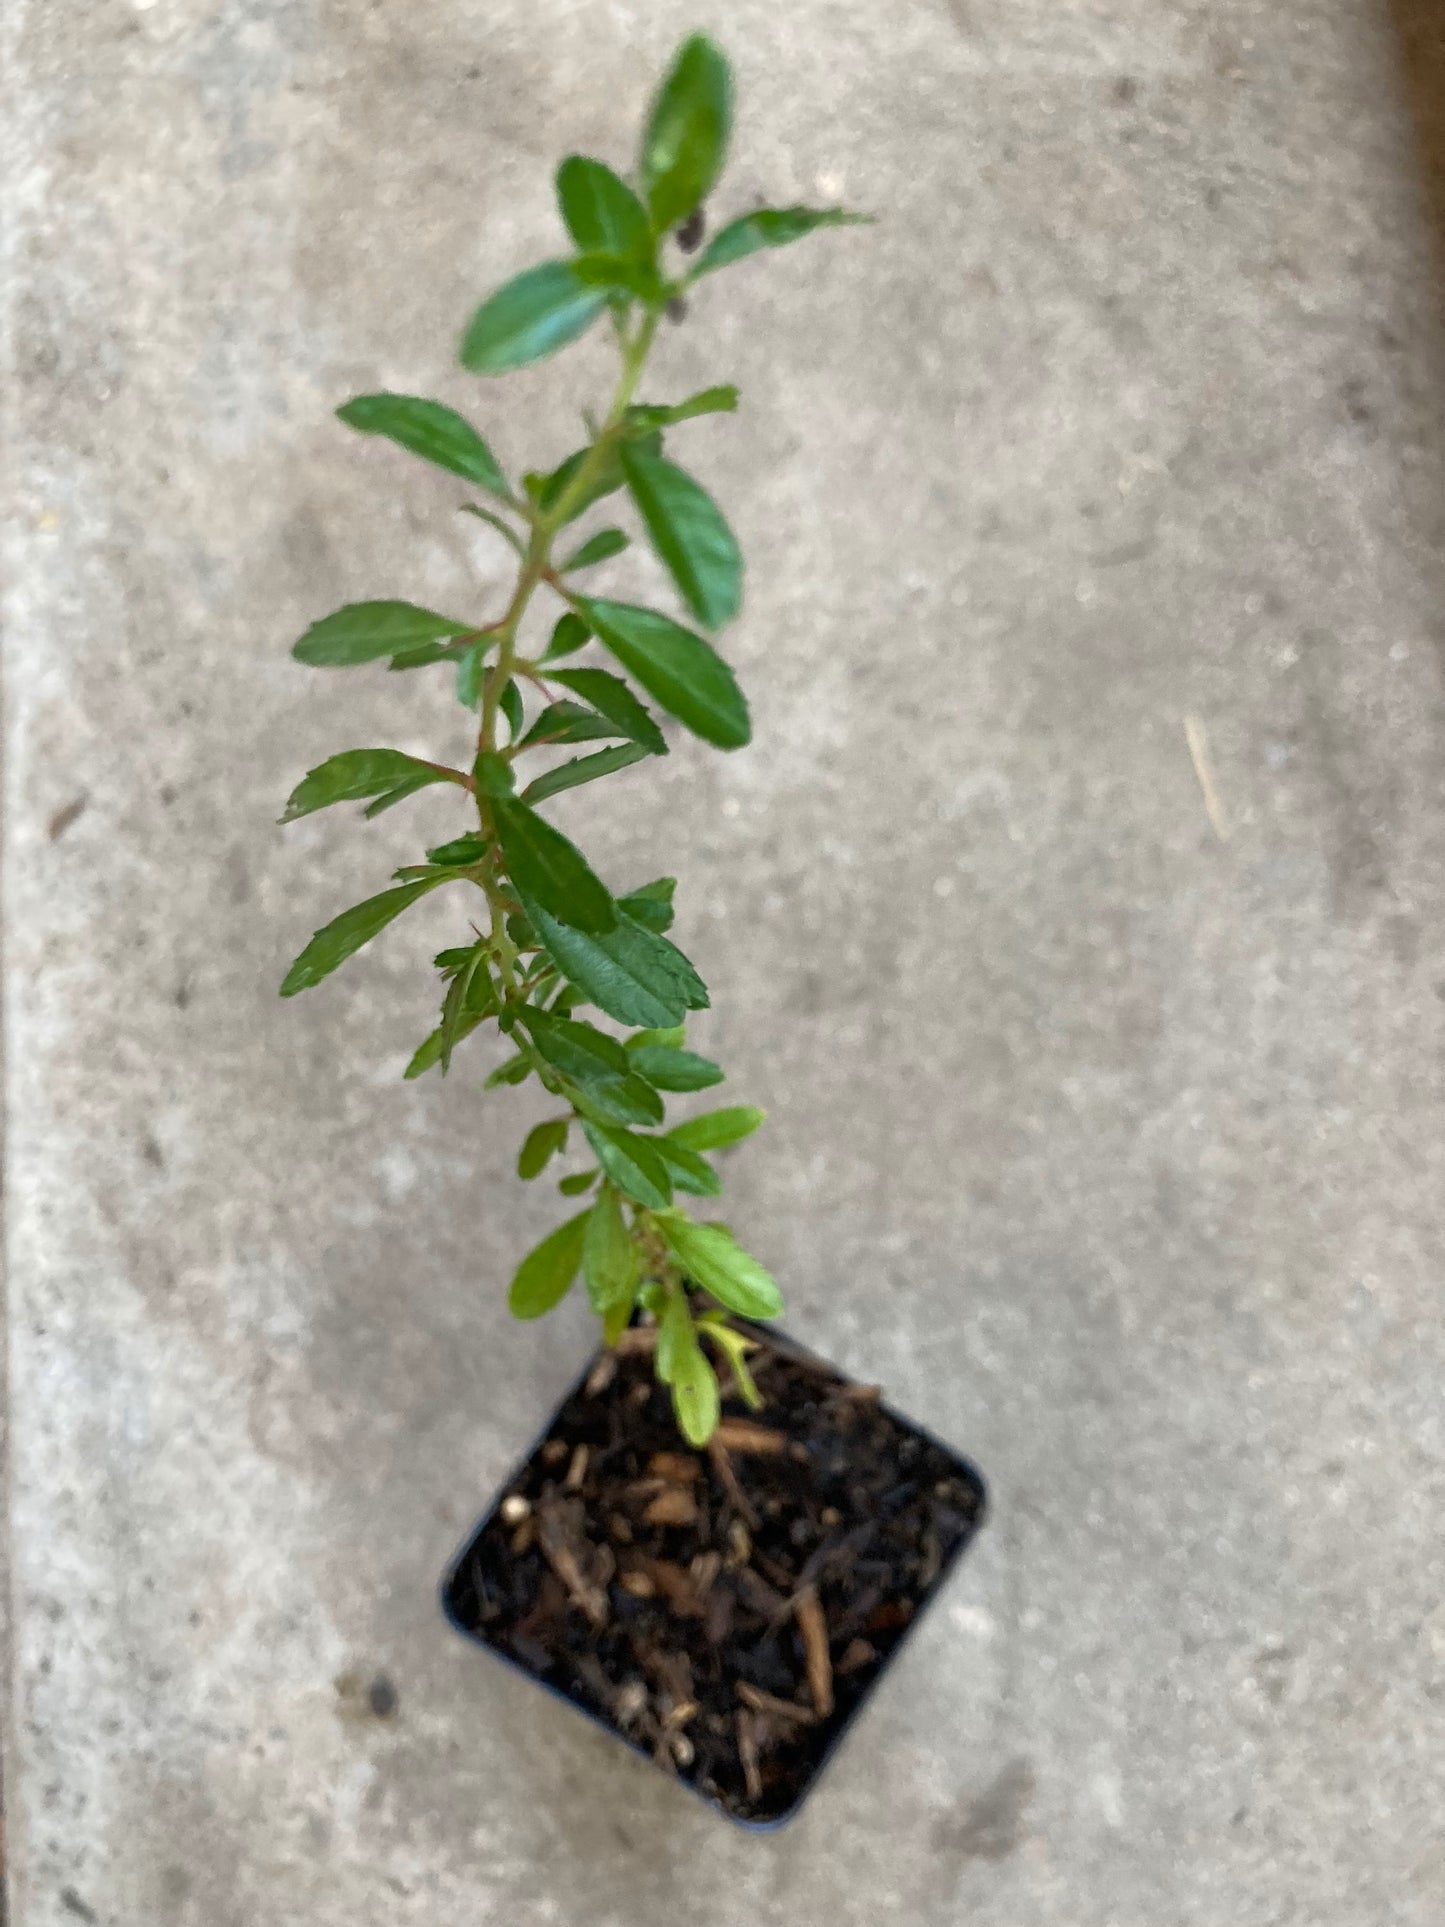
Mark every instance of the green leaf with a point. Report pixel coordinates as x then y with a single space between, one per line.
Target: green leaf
675 1070
583 769
735 1349
631 1162
631 973
686 139
511 705
769 227
542 1144
598 1066
470 664
530 316
684 673
397 795
423 656
620 273
682 1366
690 1171
714 1260
600 211
715 1130
344 935
516 1070
545 1275
495 521
436 433
600 547
644 416
567 722
610 1263
671 1038
686 528
570 635
576 1182
549 870
651 904
362 772
461 853
610 696
364 631
492 774
470 997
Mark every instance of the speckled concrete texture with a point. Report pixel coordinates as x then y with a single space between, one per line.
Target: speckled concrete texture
1109 1138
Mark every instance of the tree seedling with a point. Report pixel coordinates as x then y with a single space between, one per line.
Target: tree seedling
556 937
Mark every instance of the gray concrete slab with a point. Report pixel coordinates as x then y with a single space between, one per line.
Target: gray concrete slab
1112 1146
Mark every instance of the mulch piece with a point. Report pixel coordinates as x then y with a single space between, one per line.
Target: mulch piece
724 1611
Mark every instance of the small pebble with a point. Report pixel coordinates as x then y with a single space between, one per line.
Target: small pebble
554 1451
631 1701
683 1750
831 1516
515 1508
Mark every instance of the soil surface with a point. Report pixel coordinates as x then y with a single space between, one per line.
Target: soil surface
724 1611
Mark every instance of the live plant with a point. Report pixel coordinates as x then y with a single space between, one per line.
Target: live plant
551 937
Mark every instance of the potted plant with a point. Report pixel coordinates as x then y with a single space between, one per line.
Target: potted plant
717 1542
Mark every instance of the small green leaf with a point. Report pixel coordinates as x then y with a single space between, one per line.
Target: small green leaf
674 1329
610 696
671 1038
364 631
631 973
583 769
492 774
436 433
516 1070
397 795
600 211
609 1257
675 1070
769 227
631 1162
686 139
549 870
686 528
715 1130
470 664
652 904
545 1275
600 547
691 1172
542 1144
363 772
576 1182
530 316
621 1100
570 635
567 722
424 655
511 705
470 997
735 1349
461 853
715 1261
620 273
681 1365
644 416
345 935
684 673
495 521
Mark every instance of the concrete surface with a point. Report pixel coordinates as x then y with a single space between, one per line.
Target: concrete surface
1114 1148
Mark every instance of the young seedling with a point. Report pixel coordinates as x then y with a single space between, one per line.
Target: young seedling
556 937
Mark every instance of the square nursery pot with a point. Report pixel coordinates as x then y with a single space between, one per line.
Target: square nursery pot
725 1612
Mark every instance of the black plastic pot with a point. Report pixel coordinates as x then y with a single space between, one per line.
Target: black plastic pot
458 1589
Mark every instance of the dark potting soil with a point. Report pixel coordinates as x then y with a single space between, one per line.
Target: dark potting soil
724 1610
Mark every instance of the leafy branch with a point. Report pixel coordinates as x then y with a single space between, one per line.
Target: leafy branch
555 936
